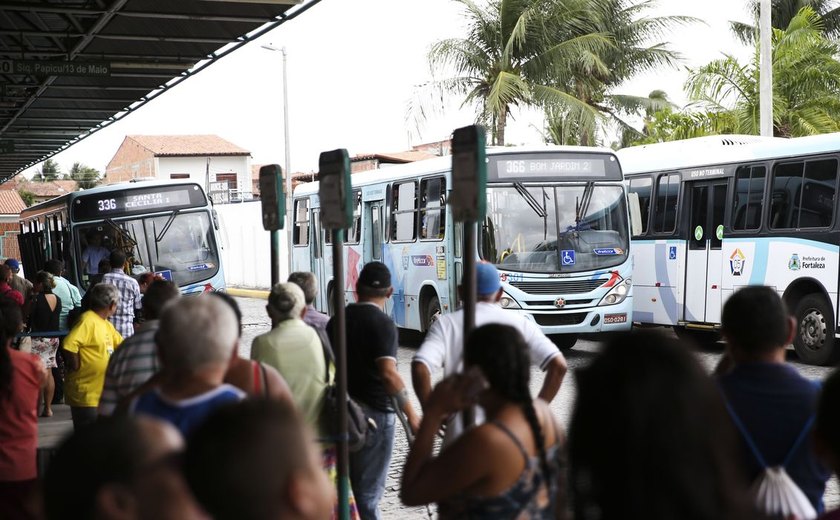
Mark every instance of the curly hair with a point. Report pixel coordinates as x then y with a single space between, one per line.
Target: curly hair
502 354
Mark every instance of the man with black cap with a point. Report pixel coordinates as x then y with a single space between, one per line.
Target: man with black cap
444 346
373 381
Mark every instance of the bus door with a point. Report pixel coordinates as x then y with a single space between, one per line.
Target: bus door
704 260
321 261
373 229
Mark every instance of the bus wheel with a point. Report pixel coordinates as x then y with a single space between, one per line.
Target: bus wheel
431 313
814 339
564 341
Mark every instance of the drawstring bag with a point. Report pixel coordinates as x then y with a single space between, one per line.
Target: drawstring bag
773 491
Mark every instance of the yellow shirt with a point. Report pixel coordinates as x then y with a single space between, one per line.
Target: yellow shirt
94 340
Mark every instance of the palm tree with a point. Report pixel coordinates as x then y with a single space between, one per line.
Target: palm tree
784 11
512 54
635 50
806 83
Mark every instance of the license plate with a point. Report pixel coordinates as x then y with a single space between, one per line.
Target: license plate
615 318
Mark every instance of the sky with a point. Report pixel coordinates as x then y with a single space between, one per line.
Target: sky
352 69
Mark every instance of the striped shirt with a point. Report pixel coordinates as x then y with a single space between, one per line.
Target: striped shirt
130 299
131 365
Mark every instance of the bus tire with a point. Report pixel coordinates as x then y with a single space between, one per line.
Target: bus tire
431 313
564 342
814 339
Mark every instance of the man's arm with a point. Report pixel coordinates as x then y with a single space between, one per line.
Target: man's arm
421 380
395 387
555 371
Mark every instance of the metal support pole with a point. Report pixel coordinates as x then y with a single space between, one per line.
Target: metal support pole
275 258
287 166
766 69
340 348
470 289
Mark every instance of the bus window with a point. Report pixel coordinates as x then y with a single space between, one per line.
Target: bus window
642 188
404 208
354 234
316 234
301 230
376 232
818 193
665 213
749 194
432 205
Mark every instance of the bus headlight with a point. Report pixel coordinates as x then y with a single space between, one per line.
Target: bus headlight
508 303
618 293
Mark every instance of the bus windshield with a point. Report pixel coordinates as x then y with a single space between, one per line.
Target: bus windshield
555 228
179 246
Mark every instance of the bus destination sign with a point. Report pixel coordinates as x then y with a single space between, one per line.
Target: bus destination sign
132 201
562 166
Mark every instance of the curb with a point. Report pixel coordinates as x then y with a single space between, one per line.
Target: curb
247 293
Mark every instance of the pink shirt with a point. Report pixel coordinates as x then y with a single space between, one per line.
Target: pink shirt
19 419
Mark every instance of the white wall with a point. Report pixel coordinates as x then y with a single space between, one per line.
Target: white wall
246 253
196 167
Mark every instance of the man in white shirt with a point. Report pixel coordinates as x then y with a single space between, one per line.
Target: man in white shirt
444 345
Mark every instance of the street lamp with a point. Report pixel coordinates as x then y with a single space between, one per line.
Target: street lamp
289 203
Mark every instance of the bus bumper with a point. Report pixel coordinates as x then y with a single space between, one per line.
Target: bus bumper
608 318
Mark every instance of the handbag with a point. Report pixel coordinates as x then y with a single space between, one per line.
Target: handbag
358 425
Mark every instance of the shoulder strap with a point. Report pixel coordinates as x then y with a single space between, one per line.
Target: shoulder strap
326 348
802 435
264 380
256 366
514 438
746 435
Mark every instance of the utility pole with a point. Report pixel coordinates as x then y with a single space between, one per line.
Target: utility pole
290 215
765 30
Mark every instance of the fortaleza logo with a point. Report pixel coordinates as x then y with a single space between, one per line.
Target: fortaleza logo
806 262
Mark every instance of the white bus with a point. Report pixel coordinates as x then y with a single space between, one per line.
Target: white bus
556 227
719 213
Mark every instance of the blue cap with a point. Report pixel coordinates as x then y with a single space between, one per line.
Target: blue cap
13 264
487 279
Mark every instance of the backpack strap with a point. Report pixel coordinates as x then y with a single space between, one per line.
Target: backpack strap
746 435
326 348
802 436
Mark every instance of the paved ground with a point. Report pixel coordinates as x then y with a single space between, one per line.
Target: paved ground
256 322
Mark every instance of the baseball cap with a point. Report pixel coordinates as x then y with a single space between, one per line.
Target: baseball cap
487 279
13 264
375 275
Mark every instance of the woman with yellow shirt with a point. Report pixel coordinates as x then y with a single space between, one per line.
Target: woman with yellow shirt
87 350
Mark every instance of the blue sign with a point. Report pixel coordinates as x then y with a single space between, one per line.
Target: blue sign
166 275
672 253
567 257
198 267
606 251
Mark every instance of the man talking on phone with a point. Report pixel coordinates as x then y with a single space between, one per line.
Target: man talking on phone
443 347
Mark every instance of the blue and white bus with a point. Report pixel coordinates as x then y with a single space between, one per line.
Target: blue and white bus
167 228
556 228
719 213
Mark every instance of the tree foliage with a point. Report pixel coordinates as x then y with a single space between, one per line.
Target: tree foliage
85 176
50 171
563 57
806 83
784 11
27 196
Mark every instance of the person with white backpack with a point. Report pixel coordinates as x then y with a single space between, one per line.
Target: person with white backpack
772 406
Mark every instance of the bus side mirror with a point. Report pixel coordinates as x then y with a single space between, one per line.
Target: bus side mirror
635 214
272 197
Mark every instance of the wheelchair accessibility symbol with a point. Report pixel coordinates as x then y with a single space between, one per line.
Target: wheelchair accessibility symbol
567 256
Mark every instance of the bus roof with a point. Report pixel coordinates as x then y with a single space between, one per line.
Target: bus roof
721 149
441 164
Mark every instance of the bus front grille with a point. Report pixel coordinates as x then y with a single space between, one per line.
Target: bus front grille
553 320
559 286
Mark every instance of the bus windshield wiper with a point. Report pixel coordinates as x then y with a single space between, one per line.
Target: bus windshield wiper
535 205
166 226
582 204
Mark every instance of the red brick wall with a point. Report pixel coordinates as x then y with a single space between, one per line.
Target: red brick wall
131 161
9 235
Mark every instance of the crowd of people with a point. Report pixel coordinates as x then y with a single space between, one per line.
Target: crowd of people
170 421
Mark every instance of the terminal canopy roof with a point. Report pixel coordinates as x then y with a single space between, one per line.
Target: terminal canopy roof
71 67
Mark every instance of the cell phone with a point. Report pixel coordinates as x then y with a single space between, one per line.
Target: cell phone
477 382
